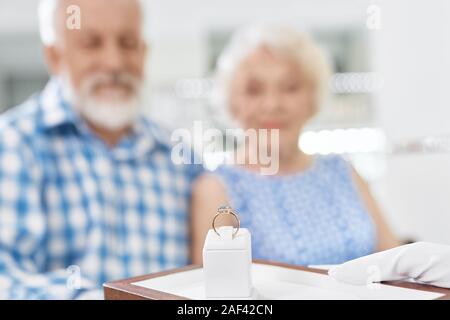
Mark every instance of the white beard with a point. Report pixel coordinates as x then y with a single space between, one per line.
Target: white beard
113 114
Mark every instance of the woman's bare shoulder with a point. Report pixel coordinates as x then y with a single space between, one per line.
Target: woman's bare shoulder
210 186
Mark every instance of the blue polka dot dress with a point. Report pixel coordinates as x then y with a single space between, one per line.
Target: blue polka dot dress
312 217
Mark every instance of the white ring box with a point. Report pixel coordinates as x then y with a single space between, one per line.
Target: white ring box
227 263
272 281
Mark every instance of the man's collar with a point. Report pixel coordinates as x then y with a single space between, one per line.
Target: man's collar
55 110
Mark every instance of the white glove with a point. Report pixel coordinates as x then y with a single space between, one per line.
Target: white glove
422 262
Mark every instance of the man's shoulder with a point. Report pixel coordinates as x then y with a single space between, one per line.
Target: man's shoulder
163 137
20 122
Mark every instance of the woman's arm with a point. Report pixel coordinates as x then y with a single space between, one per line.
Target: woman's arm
386 238
208 194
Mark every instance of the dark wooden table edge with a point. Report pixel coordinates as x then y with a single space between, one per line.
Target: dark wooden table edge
125 290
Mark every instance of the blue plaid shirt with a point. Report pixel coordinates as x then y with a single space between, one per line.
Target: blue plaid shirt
75 213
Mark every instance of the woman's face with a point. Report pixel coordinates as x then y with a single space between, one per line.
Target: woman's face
268 91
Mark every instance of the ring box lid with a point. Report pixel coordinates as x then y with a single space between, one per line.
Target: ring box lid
226 240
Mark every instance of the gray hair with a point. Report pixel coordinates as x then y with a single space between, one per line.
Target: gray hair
285 40
47 11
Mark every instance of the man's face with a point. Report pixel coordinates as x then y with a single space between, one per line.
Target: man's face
104 59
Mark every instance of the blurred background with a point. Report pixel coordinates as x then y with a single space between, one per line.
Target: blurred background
389 104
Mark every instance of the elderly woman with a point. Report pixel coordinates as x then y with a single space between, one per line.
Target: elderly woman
315 210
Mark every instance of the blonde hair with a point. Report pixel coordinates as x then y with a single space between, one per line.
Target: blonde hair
281 39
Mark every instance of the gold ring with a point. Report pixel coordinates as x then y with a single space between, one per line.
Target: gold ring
226 210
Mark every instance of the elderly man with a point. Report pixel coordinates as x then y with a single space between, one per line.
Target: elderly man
88 191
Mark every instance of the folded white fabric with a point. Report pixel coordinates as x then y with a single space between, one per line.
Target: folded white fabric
423 262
